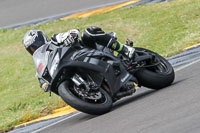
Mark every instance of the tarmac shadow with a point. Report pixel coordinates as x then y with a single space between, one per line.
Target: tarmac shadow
142 95
132 98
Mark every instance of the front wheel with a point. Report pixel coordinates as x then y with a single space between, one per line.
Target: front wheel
158 76
89 106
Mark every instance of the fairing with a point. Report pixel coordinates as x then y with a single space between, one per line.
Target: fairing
58 59
90 61
40 58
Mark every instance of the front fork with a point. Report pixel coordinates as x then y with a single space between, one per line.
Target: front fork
86 89
79 81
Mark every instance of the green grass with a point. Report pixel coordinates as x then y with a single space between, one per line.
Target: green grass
165 28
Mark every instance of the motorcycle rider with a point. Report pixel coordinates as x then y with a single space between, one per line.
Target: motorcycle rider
91 36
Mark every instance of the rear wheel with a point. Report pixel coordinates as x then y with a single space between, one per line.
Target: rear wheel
96 103
155 77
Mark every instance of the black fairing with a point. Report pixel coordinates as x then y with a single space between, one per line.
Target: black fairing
98 64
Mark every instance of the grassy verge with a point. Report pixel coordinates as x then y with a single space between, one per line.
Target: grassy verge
165 28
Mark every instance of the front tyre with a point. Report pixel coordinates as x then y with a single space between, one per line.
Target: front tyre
99 107
156 77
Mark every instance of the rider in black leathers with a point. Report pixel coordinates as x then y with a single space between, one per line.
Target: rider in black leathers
91 36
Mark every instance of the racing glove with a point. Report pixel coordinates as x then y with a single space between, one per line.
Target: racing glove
67 38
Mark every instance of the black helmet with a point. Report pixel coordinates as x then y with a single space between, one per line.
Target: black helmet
34 39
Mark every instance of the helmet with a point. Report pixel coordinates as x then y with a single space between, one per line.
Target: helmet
34 39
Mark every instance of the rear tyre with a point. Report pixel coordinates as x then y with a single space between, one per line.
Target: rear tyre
158 76
90 107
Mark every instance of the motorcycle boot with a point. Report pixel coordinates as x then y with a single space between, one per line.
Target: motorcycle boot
123 49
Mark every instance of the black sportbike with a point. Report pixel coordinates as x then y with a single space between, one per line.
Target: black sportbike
91 80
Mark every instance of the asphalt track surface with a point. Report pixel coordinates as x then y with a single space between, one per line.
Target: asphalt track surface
22 13
15 12
174 109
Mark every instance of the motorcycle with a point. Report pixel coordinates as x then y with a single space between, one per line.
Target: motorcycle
91 80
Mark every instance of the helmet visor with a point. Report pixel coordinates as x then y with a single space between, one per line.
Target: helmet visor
32 48
33 40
